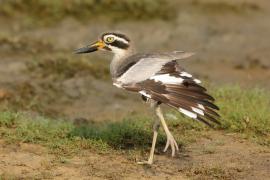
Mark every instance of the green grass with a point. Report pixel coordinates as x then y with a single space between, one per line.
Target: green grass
65 137
39 130
243 111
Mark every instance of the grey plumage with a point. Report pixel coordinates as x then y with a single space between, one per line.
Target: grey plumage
143 66
146 60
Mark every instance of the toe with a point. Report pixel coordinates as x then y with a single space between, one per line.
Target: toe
145 162
173 149
167 145
176 146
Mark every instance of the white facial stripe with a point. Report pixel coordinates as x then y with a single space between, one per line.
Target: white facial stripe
121 39
116 38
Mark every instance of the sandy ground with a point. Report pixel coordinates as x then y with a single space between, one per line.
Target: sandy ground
214 156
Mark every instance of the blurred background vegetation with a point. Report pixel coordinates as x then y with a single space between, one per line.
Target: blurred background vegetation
83 10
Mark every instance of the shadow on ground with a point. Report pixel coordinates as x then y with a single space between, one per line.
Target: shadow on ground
126 134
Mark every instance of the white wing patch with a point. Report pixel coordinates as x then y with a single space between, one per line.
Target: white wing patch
199 111
201 106
188 113
195 110
197 81
145 94
167 79
119 85
185 74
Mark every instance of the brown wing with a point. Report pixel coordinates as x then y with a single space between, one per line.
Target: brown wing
173 86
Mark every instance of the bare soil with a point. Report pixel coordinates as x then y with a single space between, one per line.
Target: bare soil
214 156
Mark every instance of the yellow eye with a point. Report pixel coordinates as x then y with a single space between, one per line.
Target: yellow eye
109 39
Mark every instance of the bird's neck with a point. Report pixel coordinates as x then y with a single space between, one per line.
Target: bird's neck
118 60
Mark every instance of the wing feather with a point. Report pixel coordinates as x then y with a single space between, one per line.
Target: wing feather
164 81
148 65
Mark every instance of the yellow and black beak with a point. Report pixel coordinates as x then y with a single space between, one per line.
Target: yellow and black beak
90 48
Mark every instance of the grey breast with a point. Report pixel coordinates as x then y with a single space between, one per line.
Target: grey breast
140 67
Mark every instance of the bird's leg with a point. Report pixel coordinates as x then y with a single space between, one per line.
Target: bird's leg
151 156
170 139
156 125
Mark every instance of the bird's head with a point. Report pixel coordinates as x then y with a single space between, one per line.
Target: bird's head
115 42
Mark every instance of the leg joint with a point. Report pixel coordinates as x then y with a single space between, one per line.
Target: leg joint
156 125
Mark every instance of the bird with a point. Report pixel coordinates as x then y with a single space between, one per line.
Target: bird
159 79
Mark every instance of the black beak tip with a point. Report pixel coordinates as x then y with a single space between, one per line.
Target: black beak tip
77 51
87 49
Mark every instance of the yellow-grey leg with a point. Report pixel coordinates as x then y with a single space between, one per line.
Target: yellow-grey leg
151 156
170 139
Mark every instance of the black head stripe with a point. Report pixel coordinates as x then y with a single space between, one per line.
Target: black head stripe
119 44
122 36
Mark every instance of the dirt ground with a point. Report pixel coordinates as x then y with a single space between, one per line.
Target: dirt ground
215 156
231 49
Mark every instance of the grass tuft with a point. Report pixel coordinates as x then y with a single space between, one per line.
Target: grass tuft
245 111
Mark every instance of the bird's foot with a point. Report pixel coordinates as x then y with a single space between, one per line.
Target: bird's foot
149 162
171 142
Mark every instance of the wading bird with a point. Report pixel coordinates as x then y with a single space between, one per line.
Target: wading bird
158 78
